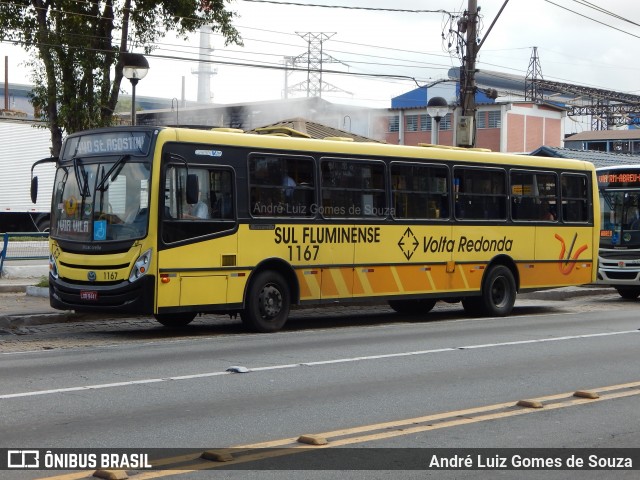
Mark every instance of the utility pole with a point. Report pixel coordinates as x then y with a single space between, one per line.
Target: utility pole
468 73
465 128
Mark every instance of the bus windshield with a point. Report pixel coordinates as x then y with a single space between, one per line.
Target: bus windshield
101 200
620 210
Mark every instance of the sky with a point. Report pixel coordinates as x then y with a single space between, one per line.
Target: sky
571 48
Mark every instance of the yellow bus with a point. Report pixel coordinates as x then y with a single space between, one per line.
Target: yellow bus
176 222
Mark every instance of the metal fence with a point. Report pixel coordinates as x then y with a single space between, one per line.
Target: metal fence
24 246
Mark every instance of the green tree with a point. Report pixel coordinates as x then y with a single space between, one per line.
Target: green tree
74 48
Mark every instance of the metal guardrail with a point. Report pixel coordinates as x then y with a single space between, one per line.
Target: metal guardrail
24 246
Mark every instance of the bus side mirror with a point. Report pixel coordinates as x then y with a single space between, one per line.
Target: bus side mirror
34 189
192 189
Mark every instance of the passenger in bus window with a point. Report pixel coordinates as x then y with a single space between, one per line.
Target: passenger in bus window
547 212
288 183
199 211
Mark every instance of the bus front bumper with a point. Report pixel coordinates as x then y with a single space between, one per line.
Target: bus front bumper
122 297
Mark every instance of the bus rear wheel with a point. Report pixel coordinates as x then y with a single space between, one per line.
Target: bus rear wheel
175 320
412 307
267 303
498 292
629 293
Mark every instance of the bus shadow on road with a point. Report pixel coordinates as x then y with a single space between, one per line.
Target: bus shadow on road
307 319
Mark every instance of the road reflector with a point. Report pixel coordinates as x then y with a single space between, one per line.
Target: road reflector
529 404
586 394
312 440
111 474
217 456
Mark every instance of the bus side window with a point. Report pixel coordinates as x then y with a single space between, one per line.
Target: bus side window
574 198
281 186
534 195
182 221
419 191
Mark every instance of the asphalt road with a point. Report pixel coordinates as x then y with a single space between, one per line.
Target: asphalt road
451 382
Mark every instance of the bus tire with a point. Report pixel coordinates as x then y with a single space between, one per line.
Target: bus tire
412 307
43 225
628 293
175 320
498 292
267 303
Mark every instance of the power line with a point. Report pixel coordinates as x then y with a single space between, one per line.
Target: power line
346 7
606 12
592 19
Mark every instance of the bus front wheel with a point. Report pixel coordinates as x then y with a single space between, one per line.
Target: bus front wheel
628 293
267 304
498 292
175 320
412 307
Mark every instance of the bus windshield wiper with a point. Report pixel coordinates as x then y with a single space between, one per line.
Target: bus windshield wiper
113 172
81 177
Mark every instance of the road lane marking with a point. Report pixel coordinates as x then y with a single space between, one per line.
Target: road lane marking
85 388
379 431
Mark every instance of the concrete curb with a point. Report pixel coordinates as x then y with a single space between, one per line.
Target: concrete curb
13 288
34 291
566 293
10 323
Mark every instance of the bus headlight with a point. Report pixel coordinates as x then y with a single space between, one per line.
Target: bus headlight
141 267
53 266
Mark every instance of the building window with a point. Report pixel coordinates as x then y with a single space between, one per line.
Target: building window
394 123
494 119
411 123
481 120
598 146
425 123
621 146
445 122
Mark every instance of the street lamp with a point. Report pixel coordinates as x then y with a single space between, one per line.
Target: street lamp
135 68
437 107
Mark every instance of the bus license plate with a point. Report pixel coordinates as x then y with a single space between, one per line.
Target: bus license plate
88 295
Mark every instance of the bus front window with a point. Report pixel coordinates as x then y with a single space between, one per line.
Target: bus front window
620 212
101 201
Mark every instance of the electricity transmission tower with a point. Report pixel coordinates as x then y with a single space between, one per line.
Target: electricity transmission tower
532 88
312 60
